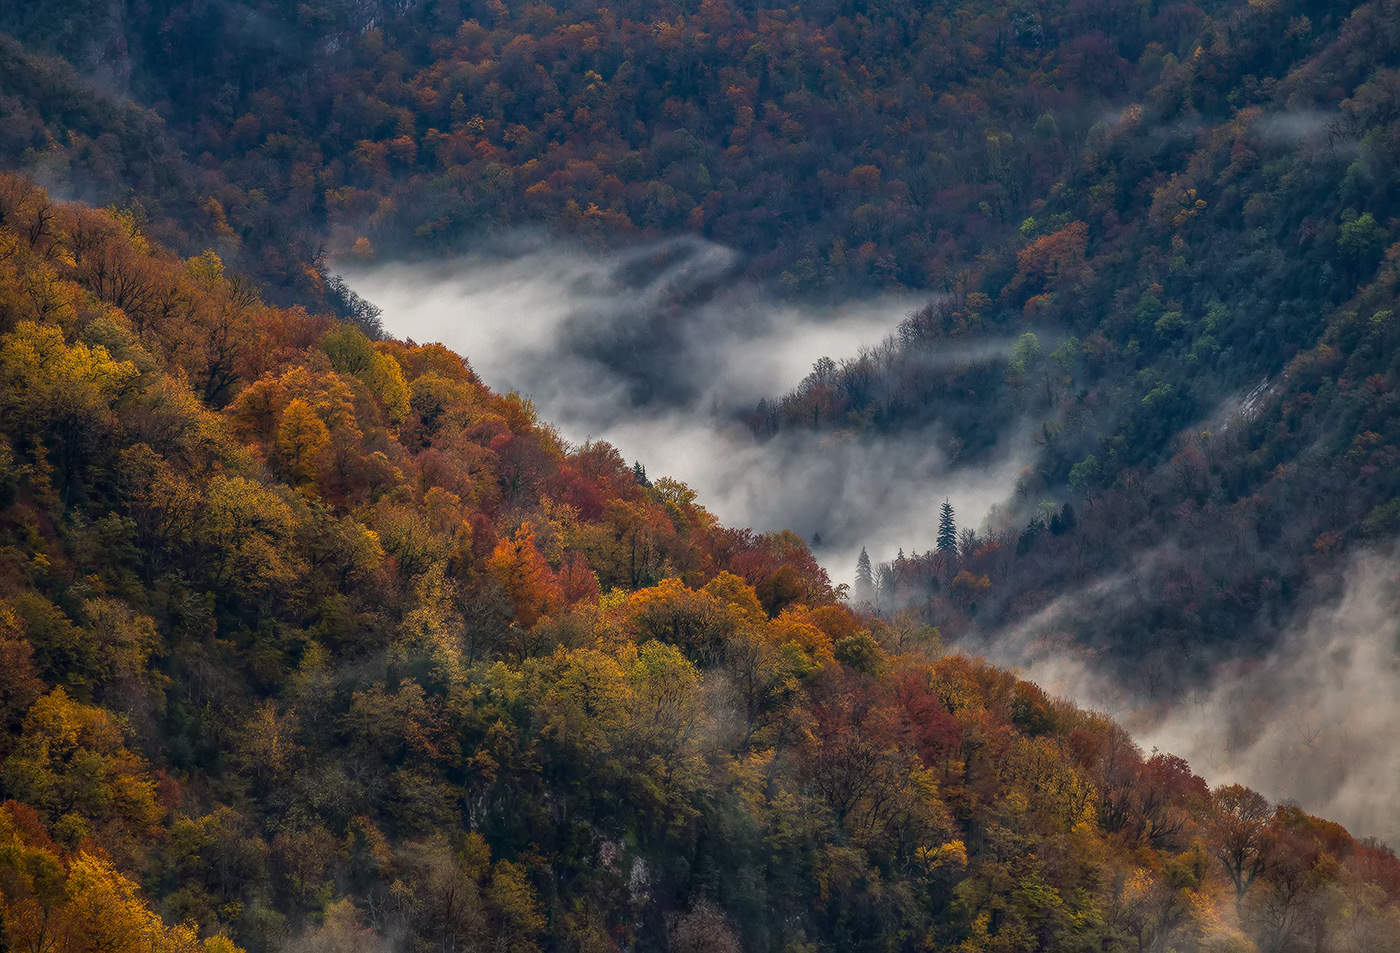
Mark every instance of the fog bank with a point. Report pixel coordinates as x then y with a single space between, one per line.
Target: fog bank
1313 721
658 350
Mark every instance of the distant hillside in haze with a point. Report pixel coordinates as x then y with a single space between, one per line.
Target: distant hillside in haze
1205 344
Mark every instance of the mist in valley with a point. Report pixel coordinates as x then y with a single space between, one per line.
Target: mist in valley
1311 722
662 350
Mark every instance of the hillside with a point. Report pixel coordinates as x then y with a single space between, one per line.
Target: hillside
839 147
1204 344
310 640
315 643
1180 203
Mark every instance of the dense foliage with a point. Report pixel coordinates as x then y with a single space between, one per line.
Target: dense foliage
311 642
840 145
1199 328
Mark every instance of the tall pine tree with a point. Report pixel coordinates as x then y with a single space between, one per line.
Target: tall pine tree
947 531
865 579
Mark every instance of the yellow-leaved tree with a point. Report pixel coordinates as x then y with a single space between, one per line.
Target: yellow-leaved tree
51 903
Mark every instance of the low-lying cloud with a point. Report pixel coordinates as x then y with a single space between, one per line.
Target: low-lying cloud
1295 127
1312 722
659 350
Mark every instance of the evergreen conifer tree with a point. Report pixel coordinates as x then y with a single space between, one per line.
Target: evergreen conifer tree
947 531
865 578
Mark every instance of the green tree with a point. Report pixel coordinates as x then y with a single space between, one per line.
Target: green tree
1360 242
947 531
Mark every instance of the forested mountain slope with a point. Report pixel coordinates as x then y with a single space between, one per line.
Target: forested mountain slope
89 142
838 145
314 643
311 641
1205 344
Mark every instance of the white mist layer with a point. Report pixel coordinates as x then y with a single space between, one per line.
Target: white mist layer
522 321
656 349
1313 722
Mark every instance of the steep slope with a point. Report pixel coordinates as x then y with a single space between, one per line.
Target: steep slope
839 146
325 645
314 642
1204 343
88 142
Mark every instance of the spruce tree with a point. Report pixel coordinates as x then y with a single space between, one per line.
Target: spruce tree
865 579
947 531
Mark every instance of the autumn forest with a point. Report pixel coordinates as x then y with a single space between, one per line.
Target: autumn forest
320 632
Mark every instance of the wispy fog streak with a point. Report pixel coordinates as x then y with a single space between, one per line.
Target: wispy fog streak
1313 722
657 350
